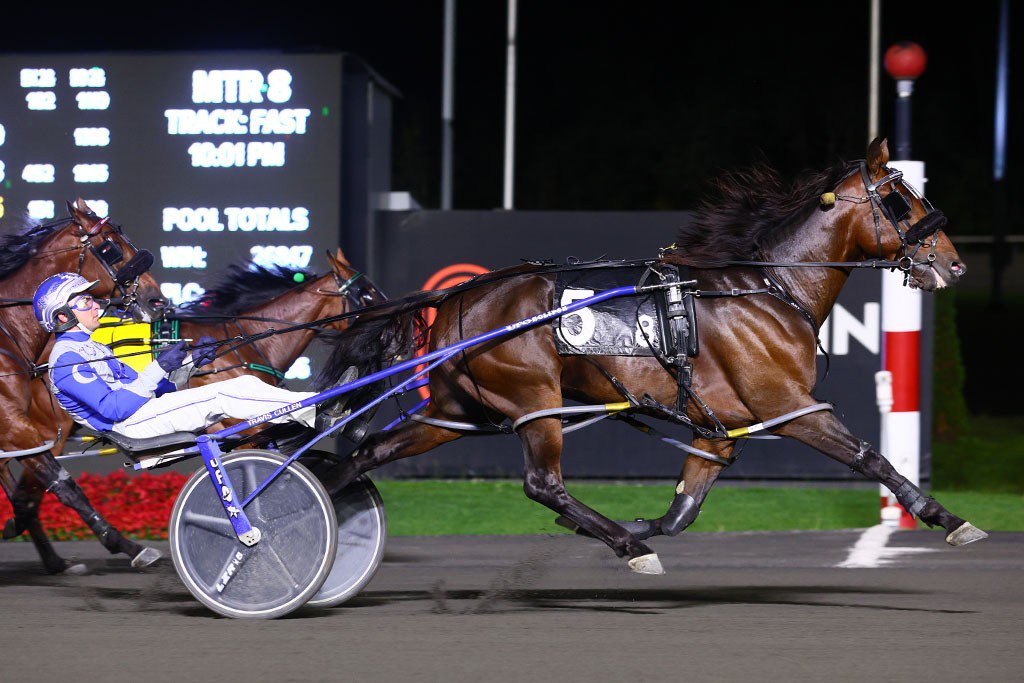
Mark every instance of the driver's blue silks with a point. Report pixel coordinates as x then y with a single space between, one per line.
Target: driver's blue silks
101 392
95 388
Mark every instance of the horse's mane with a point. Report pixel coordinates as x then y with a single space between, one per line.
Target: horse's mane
18 246
245 286
746 208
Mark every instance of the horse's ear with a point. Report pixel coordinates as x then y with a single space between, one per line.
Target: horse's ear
878 155
80 211
84 208
339 256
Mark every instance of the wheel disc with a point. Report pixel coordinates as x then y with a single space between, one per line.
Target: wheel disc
281 572
362 533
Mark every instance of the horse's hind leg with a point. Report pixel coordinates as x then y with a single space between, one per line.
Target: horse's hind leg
542 482
25 496
826 433
44 468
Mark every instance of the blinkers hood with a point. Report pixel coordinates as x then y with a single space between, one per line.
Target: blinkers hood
927 226
138 265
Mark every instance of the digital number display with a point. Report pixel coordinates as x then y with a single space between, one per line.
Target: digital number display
204 159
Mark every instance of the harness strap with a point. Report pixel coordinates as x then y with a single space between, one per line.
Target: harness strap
460 426
742 432
277 374
571 410
873 263
664 438
47 445
23 359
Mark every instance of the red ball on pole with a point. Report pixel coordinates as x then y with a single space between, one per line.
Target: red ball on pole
905 61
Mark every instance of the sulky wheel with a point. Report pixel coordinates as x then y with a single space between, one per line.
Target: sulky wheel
299 537
362 531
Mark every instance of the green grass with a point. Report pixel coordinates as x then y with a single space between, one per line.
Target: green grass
500 507
988 459
980 477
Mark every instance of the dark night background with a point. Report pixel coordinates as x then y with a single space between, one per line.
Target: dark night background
620 106
632 106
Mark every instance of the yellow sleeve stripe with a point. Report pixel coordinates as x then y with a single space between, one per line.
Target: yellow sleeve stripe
615 407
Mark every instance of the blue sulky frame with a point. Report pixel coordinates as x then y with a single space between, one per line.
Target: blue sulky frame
210 450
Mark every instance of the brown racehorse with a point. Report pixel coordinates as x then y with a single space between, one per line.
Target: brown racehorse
27 259
757 355
245 302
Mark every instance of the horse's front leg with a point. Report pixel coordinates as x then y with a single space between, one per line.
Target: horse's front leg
695 482
542 482
827 434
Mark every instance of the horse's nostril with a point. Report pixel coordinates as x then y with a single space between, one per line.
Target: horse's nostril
958 269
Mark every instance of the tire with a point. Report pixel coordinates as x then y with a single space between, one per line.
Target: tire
362 534
292 559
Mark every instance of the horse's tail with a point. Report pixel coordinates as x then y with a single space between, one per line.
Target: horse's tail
378 339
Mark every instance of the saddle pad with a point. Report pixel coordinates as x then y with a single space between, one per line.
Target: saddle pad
113 330
623 326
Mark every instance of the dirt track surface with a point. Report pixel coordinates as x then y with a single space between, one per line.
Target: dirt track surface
741 606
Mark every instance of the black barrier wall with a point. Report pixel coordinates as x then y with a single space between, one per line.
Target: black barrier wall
435 249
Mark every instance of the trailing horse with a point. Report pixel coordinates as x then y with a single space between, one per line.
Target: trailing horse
775 259
92 247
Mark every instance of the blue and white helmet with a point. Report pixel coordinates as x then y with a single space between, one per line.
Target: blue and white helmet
53 294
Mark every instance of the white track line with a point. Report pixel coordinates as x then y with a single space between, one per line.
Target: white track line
870 549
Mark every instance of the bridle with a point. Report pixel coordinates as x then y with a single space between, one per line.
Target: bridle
365 294
897 209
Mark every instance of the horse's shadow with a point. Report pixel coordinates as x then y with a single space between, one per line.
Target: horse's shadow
634 601
510 592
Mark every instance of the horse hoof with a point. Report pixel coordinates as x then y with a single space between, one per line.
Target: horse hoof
647 564
964 534
146 557
76 569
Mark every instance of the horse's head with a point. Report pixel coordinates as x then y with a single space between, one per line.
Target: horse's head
900 225
107 254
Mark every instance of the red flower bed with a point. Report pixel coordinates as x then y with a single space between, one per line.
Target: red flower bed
139 506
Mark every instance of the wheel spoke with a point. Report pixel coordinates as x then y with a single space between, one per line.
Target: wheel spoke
284 567
220 526
249 476
288 525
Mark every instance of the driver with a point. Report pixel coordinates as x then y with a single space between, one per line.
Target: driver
103 393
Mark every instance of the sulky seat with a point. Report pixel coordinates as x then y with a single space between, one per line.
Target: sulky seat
130 445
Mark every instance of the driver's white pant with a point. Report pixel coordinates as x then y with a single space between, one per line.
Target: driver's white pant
190 410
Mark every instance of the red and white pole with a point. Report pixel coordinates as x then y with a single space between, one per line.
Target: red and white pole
901 311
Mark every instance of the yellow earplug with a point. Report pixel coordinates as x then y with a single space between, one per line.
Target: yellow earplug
828 199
